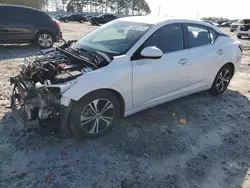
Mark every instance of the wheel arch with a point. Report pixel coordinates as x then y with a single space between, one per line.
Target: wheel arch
116 93
65 111
231 66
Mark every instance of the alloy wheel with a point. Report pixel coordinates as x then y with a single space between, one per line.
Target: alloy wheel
97 116
45 40
223 80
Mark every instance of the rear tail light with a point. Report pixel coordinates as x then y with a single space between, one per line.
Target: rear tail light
241 48
57 24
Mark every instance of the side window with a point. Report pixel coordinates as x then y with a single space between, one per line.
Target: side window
213 35
169 38
18 15
197 35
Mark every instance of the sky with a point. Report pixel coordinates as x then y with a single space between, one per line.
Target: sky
191 9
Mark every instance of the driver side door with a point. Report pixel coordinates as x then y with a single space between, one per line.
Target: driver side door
154 80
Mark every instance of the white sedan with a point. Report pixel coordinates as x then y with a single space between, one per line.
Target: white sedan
149 61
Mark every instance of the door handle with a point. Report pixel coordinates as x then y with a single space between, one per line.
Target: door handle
182 61
220 52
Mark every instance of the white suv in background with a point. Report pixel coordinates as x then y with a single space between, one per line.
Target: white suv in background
244 29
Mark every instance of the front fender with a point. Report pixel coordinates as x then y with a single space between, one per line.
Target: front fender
116 76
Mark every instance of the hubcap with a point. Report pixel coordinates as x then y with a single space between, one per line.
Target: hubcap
45 40
97 116
223 80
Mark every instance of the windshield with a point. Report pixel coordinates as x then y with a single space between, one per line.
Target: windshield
115 37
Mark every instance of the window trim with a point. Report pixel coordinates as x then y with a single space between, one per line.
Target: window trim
216 35
202 26
137 56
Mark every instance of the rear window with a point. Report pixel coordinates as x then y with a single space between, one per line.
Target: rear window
198 35
23 15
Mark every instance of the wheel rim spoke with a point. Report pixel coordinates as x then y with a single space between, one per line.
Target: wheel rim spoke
95 127
226 72
93 106
222 85
84 118
227 78
108 105
218 85
84 122
106 119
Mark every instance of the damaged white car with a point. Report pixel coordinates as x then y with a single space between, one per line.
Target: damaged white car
123 67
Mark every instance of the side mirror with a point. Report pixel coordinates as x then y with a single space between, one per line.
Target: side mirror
152 52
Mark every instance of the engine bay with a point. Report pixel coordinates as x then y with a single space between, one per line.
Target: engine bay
38 88
58 65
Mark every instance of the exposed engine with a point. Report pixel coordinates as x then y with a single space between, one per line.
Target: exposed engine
57 65
37 90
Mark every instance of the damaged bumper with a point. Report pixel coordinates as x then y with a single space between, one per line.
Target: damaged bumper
29 103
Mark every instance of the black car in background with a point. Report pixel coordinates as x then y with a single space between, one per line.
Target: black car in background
101 19
19 24
74 17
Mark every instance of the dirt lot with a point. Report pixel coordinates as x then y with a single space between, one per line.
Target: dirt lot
149 149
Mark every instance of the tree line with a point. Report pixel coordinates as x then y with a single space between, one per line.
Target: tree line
124 7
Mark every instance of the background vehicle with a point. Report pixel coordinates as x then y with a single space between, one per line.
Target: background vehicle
244 28
101 19
123 67
74 17
235 25
225 24
212 23
19 24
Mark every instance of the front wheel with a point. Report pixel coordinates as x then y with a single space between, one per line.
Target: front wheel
95 114
221 80
238 36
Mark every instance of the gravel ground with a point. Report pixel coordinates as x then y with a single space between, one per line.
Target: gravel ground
150 149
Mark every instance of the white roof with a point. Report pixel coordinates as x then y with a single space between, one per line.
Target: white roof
157 19
145 19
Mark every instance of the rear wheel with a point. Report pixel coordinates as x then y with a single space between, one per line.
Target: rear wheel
221 80
66 20
44 40
95 114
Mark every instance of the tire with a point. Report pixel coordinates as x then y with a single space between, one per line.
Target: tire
44 39
97 23
231 30
81 21
219 86
238 36
85 123
66 20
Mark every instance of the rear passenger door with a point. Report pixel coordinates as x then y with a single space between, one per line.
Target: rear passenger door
206 54
17 23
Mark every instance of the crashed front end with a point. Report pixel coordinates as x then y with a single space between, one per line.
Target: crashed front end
37 90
